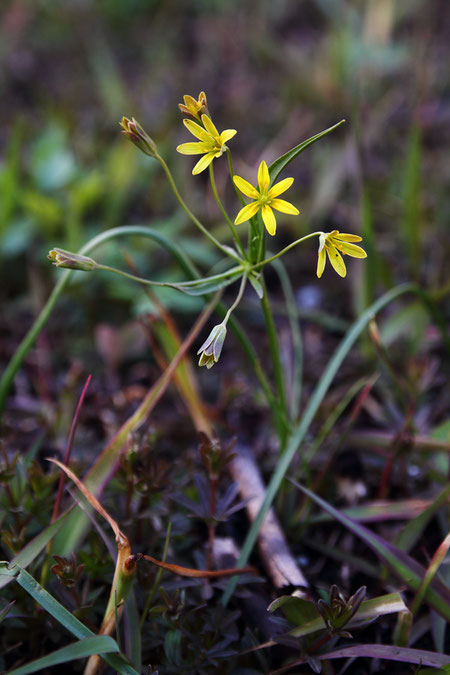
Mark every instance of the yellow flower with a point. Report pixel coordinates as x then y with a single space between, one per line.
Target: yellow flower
211 144
264 199
193 107
332 243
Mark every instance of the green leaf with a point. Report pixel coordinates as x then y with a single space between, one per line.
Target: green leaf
255 282
281 163
297 610
99 644
60 613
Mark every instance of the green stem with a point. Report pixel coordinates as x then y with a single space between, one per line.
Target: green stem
238 299
178 285
285 250
224 213
236 189
226 250
276 360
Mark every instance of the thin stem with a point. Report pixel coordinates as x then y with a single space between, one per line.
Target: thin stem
224 213
238 298
236 189
179 285
276 360
285 250
157 582
191 215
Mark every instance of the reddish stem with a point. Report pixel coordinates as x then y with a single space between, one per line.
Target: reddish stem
69 449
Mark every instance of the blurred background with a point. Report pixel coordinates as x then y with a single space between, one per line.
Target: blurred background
278 72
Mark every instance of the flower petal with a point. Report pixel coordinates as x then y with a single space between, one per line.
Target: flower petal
348 237
247 212
284 206
245 187
269 219
263 177
203 163
336 259
227 135
191 148
321 260
198 131
352 249
209 126
280 187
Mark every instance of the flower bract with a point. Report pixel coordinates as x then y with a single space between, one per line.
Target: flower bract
265 198
194 108
333 244
211 144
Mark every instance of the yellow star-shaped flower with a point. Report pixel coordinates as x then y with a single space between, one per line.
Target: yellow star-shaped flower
211 144
193 107
264 199
331 244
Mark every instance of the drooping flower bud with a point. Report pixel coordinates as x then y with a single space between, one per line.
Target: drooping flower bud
212 347
133 130
71 261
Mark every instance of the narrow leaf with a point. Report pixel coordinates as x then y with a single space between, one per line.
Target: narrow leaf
99 644
281 163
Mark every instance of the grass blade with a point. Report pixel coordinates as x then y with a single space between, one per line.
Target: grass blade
99 644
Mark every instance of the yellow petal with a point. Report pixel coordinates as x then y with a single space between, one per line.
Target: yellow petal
203 163
348 237
227 135
191 148
321 260
245 187
284 206
209 126
197 131
336 260
280 187
263 177
269 219
353 250
189 102
246 213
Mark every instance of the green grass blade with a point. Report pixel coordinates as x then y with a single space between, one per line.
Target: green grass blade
412 532
281 163
60 613
301 429
437 594
99 644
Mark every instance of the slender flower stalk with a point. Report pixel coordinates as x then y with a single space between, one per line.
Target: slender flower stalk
192 216
224 213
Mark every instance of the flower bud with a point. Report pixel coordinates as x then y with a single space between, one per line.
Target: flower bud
71 261
133 130
211 349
